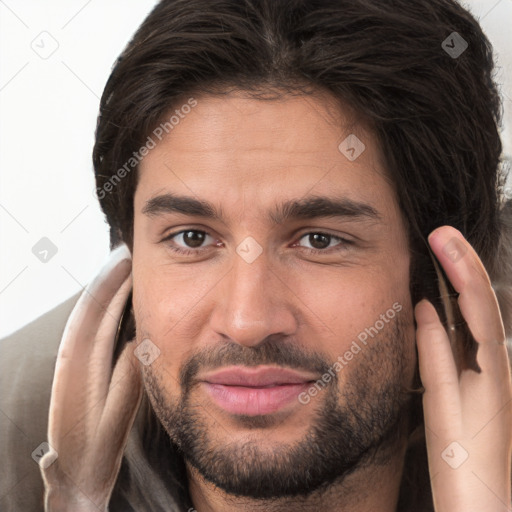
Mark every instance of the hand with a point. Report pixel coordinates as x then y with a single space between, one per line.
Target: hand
468 418
92 407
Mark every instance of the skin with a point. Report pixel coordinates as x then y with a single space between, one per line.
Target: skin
260 154
183 304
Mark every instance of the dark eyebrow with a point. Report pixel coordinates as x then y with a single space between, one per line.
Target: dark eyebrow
307 208
318 206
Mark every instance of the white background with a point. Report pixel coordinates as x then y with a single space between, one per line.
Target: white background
47 122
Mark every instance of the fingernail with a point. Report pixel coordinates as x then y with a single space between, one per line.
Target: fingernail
450 232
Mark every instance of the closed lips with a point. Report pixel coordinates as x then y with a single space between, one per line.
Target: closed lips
257 377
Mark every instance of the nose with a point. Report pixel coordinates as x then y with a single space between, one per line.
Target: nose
253 302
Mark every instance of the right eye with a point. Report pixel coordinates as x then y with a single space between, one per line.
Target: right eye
189 239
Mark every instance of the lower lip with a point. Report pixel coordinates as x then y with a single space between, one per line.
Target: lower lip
254 401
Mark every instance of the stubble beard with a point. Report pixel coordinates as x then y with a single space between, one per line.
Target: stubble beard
360 424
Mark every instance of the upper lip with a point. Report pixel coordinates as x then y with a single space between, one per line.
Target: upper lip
257 376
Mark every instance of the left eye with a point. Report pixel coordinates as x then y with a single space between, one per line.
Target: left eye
322 241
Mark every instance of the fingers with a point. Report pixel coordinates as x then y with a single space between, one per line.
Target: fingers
93 304
477 300
466 272
467 416
102 349
441 399
123 400
83 366
92 408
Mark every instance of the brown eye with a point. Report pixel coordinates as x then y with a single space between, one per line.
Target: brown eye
320 243
319 240
188 241
193 239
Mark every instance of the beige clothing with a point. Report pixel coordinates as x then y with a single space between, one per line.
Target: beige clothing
27 361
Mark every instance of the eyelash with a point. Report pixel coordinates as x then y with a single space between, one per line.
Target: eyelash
188 252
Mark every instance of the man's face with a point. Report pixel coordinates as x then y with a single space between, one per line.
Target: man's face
285 333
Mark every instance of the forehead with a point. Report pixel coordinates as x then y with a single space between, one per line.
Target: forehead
235 149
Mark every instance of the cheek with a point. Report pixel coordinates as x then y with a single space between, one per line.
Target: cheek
342 303
168 308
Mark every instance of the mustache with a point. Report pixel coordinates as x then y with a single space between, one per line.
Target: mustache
270 352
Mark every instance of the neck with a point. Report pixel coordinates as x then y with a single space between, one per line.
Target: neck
369 489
